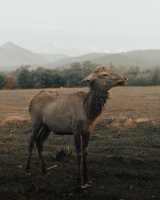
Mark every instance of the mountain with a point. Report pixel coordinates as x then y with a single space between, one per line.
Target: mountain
13 56
54 57
142 58
65 62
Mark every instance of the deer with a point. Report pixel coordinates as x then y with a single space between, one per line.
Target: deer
71 114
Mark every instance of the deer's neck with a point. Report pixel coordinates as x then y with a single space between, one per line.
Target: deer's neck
94 103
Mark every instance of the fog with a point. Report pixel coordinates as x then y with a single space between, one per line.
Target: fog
76 27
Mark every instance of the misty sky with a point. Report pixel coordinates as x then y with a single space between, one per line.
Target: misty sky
81 26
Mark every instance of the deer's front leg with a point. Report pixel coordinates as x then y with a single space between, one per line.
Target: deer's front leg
84 142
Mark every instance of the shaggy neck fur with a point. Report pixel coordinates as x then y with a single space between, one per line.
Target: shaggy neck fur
94 103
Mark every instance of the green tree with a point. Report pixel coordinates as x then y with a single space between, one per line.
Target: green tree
88 67
155 76
73 75
2 80
25 78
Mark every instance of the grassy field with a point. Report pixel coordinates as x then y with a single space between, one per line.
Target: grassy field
124 152
125 101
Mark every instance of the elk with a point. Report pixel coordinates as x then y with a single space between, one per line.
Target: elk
74 114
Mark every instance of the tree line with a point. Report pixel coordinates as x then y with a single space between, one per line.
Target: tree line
26 77
139 77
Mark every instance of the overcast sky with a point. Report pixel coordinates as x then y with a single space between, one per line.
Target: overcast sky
81 26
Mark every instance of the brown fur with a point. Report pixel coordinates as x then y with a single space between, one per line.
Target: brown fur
73 113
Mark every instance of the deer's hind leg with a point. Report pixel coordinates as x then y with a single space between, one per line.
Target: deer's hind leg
43 135
35 131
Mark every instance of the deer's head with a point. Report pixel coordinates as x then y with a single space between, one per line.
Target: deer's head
104 78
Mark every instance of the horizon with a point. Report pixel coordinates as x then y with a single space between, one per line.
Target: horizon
91 52
76 28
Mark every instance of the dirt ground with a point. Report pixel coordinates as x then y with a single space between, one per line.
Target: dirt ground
124 152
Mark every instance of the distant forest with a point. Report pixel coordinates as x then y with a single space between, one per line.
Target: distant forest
26 77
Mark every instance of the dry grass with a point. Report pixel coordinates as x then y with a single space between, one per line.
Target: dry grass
124 155
124 102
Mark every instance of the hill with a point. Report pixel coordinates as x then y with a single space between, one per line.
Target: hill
142 58
13 56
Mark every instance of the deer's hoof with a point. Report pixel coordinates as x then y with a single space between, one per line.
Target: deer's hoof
28 173
44 171
27 169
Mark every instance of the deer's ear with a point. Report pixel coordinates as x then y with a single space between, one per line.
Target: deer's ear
89 78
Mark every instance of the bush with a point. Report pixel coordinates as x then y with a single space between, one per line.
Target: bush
46 78
25 78
2 80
